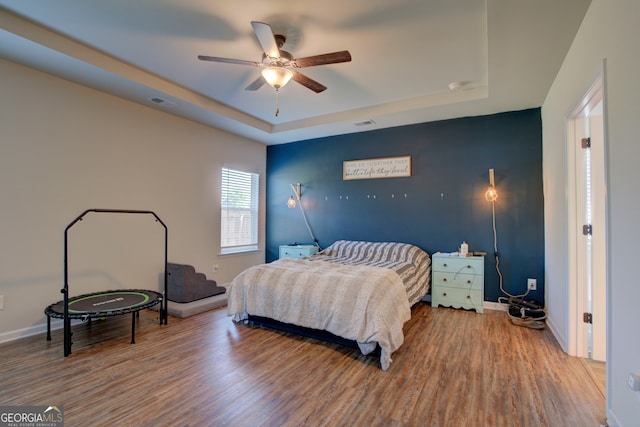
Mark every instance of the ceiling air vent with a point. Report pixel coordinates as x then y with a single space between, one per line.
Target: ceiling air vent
365 123
162 102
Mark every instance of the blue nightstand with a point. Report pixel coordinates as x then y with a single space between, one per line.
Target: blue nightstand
297 251
457 281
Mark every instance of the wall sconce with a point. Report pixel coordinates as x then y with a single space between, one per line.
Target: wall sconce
491 194
297 189
291 203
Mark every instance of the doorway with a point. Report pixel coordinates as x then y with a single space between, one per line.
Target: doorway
588 230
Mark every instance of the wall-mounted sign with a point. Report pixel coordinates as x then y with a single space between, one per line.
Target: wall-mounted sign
388 167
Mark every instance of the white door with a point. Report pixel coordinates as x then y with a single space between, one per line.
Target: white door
590 235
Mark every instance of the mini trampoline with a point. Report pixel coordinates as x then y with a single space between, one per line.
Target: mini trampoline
103 304
98 305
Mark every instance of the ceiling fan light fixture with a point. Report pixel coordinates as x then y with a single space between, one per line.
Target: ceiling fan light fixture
276 76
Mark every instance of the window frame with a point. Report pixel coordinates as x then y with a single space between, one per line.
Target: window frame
247 184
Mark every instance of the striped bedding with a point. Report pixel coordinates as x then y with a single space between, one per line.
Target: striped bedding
361 291
411 263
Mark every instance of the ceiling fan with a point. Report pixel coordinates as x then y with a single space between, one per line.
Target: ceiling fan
279 66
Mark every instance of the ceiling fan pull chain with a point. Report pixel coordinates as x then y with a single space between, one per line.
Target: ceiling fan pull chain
277 102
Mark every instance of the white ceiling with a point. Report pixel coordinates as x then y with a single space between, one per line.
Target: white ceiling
405 55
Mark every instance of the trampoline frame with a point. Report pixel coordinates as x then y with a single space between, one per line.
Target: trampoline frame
88 315
66 316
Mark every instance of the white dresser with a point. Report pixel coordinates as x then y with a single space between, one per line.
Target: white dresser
457 281
297 251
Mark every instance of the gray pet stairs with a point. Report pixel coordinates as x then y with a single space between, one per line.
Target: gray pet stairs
190 292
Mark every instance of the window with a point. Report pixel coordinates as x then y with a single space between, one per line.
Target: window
239 211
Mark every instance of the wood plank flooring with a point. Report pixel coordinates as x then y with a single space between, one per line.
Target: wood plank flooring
598 372
456 368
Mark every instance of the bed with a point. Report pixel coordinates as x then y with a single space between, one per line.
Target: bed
360 291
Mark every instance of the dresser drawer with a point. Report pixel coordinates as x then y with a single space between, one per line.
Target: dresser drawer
464 265
299 251
458 280
458 298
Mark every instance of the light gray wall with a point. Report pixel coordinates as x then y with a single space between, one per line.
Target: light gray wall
65 148
609 32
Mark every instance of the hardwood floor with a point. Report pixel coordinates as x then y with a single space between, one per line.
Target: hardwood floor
598 373
455 368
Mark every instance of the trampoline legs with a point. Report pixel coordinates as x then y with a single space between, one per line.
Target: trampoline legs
133 327
48 328
67 336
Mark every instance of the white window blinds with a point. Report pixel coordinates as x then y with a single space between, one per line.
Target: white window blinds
239 211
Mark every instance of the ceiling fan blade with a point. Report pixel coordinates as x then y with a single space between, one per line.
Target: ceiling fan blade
228 60
327 58
266 38
256 84
309 83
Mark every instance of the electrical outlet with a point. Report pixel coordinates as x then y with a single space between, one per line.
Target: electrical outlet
532 284
1 302
215 268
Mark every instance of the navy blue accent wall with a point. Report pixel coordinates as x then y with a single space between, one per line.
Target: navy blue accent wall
441 204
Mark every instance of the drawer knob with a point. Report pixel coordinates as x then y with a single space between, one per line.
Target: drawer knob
468 281
445 264
444 279
468 296
444 294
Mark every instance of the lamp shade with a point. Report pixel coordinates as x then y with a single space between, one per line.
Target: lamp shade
277 77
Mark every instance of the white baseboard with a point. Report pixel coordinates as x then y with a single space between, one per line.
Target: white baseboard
34 330
487 305
30 331
490 305
612 420
560 338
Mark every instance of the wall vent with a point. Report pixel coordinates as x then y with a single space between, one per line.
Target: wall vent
365 123
162 102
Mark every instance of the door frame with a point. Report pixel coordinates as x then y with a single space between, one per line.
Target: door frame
577 301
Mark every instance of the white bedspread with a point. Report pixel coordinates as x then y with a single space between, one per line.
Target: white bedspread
362 303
